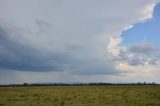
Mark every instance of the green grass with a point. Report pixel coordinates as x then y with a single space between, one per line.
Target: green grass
116 95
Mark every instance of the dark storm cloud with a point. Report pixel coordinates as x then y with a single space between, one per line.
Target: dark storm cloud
69 36
17 56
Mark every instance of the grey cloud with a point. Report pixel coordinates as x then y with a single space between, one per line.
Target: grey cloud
138 58
20 56
42 25
95 68
68 36
124 57
135 61
144 47
60 38
17 56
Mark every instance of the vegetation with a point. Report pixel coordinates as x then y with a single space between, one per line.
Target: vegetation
111 95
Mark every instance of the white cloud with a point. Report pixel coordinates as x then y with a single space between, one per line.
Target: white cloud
129 27
147 11
113 46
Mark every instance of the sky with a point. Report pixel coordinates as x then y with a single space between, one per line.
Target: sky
79 41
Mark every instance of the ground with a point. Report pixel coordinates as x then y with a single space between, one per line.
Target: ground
112 95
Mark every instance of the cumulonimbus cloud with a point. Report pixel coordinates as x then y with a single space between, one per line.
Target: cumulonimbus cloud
68 36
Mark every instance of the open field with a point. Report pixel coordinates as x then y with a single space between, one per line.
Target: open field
113 95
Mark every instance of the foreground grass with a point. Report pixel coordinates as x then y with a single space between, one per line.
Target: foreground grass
128 95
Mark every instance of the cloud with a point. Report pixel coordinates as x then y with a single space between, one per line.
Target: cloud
144 47
16 55
138 54
74 38
148 9
20 55
113 46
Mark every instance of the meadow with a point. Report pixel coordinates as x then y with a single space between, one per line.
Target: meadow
112 95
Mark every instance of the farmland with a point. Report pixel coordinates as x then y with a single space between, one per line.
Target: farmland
112 95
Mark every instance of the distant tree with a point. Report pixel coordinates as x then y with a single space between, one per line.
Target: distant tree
138 83
153 83
25 84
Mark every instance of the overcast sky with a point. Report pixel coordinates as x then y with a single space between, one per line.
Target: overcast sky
79 41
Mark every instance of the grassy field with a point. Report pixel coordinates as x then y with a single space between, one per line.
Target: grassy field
115 95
